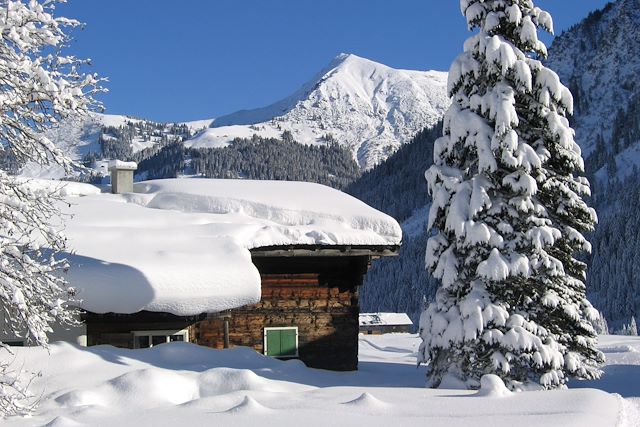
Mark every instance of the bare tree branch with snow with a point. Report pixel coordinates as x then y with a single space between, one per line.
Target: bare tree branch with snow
39 86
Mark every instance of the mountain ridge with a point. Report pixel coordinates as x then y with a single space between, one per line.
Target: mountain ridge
358 103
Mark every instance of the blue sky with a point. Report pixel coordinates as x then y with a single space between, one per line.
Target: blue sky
195 59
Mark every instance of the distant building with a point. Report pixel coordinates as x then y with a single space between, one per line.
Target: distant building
384 323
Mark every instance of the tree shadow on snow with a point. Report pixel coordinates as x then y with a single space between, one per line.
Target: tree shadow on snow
621 379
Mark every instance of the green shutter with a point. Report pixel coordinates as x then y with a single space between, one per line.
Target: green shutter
288 342
273 343
281 342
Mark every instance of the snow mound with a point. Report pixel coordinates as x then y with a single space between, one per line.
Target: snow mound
145 388
492 386
61 188
219 381
619 349
249 406
62 421
155 387
367 401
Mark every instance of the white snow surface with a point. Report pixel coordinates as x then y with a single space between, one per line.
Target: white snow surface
184 384
182 245
386 319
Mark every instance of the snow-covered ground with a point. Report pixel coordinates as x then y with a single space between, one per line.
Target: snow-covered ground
186 385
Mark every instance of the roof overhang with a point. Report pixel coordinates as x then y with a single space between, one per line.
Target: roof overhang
322 251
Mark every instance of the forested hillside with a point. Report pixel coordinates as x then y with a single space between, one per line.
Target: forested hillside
248 158
397 187
279 159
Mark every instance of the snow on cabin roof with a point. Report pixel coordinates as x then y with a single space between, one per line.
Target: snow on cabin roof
182 245
384 319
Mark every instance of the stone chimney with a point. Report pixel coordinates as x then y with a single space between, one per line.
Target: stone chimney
122 176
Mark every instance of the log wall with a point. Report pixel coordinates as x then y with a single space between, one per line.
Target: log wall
327 321
318 295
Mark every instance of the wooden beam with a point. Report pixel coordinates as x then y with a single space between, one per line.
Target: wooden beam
320 251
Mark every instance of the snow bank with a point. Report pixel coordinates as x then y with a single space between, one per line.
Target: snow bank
184 384
182 245
492 385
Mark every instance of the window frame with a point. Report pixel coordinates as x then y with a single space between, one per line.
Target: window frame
166 332
280 328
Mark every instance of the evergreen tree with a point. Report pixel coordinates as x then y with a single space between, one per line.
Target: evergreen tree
600 325
633 327
509 215
630 328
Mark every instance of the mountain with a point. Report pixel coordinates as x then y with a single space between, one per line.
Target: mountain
95 137
369 107
599 59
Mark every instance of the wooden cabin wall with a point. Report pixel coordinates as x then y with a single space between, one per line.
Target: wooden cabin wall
317 295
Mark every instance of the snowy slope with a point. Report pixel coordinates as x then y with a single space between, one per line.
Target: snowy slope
180 384
82 135
599 59
368 106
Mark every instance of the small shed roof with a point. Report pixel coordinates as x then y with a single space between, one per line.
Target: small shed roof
384 319
182 245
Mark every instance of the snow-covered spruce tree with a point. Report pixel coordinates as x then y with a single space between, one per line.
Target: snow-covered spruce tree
38 87
508 215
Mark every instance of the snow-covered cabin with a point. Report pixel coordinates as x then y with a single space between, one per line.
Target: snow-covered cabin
384 323
273 265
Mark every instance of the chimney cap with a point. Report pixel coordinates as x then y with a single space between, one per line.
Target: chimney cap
120 165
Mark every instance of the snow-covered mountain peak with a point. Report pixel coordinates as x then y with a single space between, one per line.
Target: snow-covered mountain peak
368 106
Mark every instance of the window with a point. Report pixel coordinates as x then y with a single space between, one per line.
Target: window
146 339
281 342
